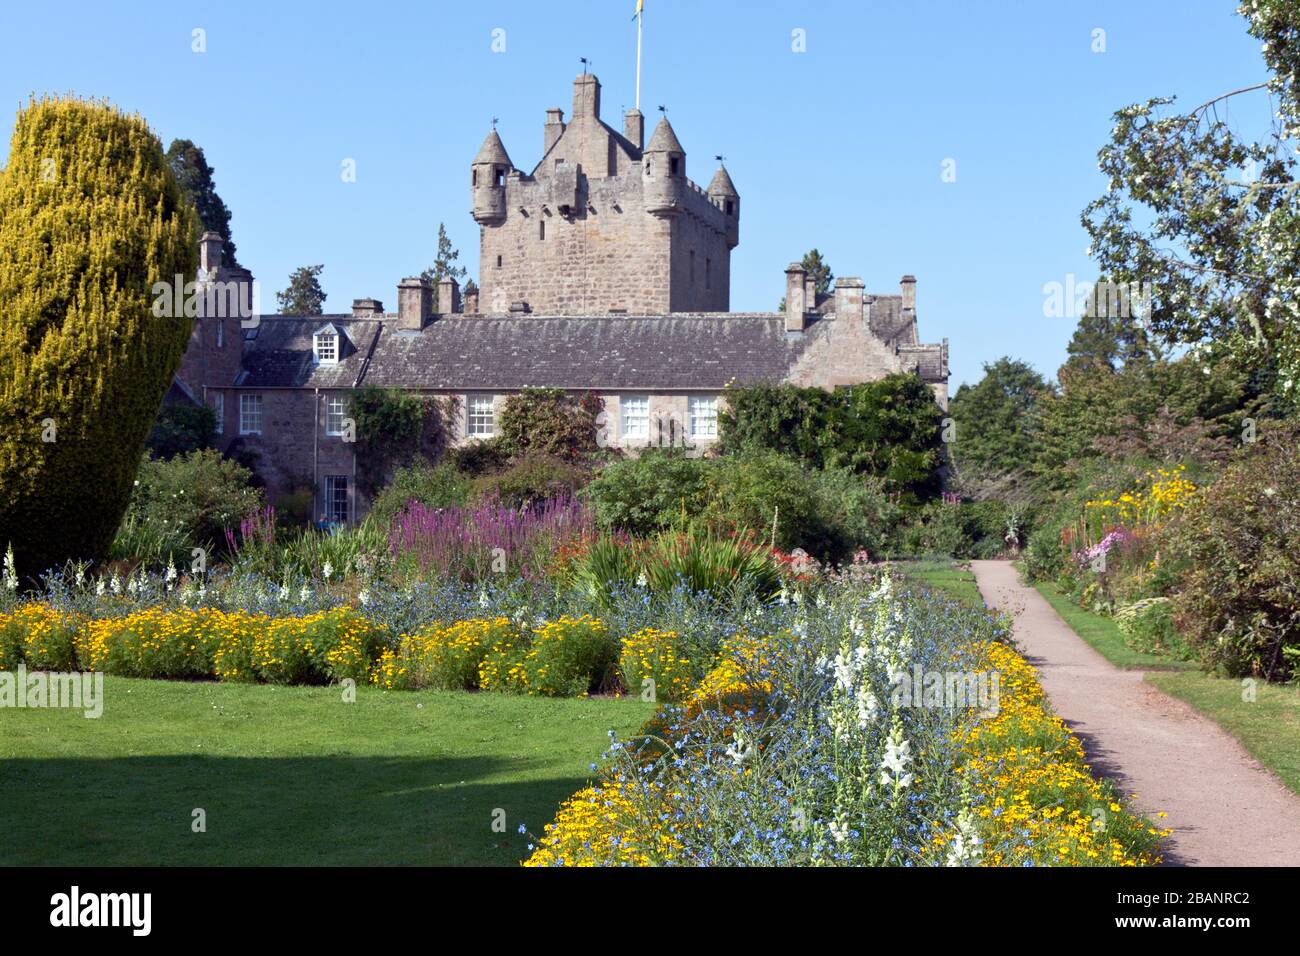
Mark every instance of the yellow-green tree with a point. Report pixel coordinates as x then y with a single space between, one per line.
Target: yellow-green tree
91 219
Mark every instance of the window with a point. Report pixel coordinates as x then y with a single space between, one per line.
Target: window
635 410
731 208
708 273
674 165
501 176
336 498
336 410
250 414
473 181
541 229
481 420
221 333
704 417
327 346
219 411
692 260
498 262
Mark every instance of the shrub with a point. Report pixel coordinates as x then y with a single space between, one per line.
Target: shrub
570 657
40 637
552 422
447 657
1238 602
529 479
649 493
395 428
661 657
1148 626
90 219
157 642
181 427
187 502
434 486
316 649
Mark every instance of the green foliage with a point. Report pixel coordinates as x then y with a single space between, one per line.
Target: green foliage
1238 601
445 264
995 418
828 513
649 493
551 421
530 478
304 296
90 218
889 428
395 428
194 176
820 270
1148 627
183 503
1205 215
478 458
181 427
437 486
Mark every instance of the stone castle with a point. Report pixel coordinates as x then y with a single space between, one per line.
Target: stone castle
603 269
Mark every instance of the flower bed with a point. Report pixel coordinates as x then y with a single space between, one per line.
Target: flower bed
798 749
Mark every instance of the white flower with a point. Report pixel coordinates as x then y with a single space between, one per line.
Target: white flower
99 587
11 570
840 831
363 596
327 570
966 846
284 592
642 580
868 709
305 593
898 754
483 600
739 749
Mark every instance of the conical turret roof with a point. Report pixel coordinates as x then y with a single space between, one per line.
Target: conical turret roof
493 151
721 184
664 139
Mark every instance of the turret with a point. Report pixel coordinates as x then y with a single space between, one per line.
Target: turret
664 170
722 192
488 180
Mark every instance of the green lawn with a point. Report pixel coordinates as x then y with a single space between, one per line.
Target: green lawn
946 576
1268 727
293 775
1104 634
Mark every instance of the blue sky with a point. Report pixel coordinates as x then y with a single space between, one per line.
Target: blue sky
840 146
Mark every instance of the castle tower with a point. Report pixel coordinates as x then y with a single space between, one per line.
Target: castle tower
723 193
601 225
488 179
665 171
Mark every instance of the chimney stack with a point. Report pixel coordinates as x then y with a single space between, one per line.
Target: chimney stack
448 296
810 293
553 129
849 300
471 302
907 288
210 254
414 304
634 128
367 309
796 302
586 96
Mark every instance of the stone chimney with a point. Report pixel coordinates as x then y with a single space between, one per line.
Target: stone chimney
848 300
414 304
367 309
448 296
796 301
634 128
586 96
210 254
907 288
553 129
810 293
471 302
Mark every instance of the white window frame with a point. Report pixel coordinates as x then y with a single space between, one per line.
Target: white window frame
219 411
477 424
250 414
639 406
702 412
318 346
332 491
336 413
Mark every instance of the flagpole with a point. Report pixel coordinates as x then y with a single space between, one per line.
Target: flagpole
639 17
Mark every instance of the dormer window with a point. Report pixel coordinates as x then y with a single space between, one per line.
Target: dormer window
327 345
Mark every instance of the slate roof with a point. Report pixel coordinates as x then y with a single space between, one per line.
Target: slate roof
280 355
682 351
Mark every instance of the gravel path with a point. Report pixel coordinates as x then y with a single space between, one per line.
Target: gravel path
1224 808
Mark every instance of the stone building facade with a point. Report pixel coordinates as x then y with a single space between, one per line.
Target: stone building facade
604 269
